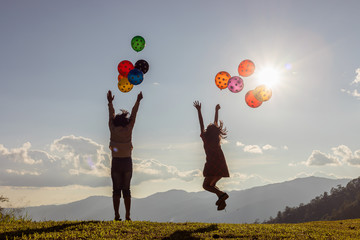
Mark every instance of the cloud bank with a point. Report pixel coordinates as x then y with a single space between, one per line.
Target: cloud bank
73 160
339 155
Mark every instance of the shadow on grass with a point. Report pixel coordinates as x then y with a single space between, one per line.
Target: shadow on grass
186 234
28 232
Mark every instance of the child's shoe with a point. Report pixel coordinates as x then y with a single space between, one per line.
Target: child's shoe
221 206
222 198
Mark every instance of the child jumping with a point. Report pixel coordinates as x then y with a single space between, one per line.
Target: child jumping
121 127
215 167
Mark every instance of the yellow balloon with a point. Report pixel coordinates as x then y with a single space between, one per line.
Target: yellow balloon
124 85
262 93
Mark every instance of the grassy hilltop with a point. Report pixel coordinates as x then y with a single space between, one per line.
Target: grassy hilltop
346 229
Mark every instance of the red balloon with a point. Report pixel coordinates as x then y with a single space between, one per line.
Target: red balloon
125 67
251 101
246 68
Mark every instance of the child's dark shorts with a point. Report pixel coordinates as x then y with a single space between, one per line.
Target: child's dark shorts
121 173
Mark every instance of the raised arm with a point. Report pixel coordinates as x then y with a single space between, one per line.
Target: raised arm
136 107
110 98
197 105
216 114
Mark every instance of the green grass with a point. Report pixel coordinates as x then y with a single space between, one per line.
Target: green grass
346 229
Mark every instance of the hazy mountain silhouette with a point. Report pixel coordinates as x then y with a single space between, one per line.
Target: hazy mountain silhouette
245 206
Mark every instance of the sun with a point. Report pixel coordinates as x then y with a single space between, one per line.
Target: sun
270 76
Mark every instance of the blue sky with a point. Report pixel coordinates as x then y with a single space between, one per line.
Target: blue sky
59 58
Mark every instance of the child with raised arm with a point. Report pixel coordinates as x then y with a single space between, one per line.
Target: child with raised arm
121 127
215 167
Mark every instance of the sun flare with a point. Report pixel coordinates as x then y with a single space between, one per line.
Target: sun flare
269 76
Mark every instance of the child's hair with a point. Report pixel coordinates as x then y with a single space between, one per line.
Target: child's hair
214 133
121 119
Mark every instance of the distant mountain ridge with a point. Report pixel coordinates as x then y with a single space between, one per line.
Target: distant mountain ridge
244 206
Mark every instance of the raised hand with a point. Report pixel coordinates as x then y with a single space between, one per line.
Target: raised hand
140 96
197 105
110 97
217 107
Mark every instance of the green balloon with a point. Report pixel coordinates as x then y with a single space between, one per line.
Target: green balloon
138 43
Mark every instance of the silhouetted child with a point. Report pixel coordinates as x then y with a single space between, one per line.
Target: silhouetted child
215 167
121 127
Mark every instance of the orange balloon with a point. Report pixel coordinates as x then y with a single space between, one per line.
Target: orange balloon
246 68
262 93
120 77
221 79
124 85
251 101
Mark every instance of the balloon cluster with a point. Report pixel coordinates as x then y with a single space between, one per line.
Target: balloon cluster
129 74
253 98
235 84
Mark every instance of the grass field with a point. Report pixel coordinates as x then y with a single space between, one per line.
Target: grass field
346 229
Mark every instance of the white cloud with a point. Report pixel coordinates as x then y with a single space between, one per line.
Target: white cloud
318 158
342 151
355 91
268 147
357 78
19 155
355 160
340 155
151 169
252 149
70 160
347 155
256 148
239 144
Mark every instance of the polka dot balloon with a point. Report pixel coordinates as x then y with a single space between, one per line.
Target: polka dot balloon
251 101
124 67
221 79
262 93
246 68
124 85
235 84
142 65
138 43
135 76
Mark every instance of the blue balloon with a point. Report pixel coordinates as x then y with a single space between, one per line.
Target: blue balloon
135 76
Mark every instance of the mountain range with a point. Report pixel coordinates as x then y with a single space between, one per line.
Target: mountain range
256 204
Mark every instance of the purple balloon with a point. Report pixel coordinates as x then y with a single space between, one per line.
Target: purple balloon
235 84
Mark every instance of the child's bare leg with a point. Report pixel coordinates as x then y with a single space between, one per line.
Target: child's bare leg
116 203
127 194
210 185
127 201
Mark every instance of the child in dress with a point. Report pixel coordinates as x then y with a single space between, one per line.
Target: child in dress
215 167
